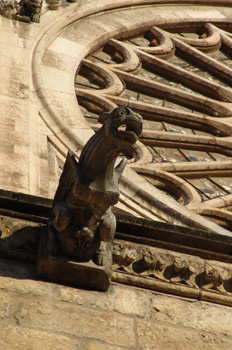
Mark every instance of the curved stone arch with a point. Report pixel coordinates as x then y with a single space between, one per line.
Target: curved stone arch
72 133
103 103
210 124
217 215
173 184
165 47
211 42
225 201
131 62
112 84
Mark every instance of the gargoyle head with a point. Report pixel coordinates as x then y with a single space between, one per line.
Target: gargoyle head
122 124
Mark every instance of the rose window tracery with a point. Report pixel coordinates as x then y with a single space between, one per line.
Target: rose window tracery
179 80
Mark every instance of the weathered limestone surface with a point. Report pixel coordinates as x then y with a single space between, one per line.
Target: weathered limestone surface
40 315
38 64
35 313
14 92
166 337
14 337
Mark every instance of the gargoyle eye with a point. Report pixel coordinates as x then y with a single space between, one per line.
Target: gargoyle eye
122 113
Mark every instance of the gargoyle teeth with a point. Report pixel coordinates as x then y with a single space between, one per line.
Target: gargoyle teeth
122 127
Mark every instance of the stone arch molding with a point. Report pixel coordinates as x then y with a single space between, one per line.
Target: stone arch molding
68 40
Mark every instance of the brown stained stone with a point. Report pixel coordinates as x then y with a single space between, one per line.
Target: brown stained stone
192 313
130 301
102 347
77 321
6 148
19 279
17 338
25 286
119 298
159 337
66 104
9 226
58 60
87 275
4 305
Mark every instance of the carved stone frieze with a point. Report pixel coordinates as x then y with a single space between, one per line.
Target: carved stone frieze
23 10
216 278
133 263
161 269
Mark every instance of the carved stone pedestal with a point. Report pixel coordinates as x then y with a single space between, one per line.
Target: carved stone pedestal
60 269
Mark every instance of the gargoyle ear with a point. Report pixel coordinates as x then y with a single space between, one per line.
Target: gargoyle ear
102 118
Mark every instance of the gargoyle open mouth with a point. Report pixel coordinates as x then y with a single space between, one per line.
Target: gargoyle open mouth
122 124
130 129
128 124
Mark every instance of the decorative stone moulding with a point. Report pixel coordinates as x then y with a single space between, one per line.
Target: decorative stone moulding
157 256
170 272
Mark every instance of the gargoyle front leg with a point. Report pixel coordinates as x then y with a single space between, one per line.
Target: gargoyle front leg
103 257
106 231
108 226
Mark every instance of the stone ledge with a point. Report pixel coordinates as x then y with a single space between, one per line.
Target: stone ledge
158 256
158 234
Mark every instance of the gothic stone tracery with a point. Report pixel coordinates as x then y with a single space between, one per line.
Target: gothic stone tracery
179 80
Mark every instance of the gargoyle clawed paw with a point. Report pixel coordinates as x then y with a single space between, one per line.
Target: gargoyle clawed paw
85 234
101 258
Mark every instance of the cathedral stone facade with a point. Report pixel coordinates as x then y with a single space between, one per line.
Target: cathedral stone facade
63 66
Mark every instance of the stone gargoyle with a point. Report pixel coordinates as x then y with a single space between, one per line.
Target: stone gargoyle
82 224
